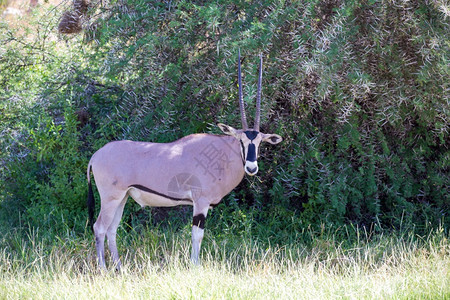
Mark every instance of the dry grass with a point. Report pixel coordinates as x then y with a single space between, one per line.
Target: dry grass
389 268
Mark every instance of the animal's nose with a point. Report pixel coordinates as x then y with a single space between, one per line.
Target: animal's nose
251 170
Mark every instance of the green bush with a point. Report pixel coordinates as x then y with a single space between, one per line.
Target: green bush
358 90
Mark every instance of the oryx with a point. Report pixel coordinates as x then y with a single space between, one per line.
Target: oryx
197 170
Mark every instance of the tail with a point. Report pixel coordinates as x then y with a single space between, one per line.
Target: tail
90 199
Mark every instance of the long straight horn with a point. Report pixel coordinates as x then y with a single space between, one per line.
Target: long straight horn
258 96
241 99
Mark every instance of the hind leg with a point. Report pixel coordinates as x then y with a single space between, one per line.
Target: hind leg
110 204
111 234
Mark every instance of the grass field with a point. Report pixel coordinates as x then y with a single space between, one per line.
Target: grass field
156 266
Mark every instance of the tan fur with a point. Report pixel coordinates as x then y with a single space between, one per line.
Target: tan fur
213 161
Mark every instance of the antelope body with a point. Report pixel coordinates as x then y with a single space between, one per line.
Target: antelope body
197 170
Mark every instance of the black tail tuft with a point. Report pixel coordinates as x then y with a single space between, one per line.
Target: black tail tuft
91 205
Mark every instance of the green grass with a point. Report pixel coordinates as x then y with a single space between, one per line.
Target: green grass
156 265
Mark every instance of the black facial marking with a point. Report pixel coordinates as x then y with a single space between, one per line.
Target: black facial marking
251 153
146 189
251 134
243 152
199 220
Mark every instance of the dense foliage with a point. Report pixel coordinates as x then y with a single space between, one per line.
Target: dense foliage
358 90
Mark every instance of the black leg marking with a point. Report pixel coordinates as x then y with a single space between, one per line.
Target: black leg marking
199 220
214 205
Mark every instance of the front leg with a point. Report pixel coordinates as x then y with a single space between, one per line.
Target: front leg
198 228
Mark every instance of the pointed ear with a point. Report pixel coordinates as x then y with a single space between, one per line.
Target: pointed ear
272 138
228 130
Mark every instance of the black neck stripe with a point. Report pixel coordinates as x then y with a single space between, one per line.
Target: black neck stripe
243 152
146 189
